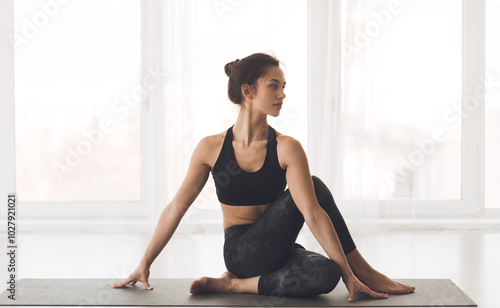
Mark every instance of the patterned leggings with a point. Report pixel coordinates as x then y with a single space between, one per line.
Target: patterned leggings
267 248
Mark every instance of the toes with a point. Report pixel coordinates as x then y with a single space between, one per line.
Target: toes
406 288
398 288
195 287
192 287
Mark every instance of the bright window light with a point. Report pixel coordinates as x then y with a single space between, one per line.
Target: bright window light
77 121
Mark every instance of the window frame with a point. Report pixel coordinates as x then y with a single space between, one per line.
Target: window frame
96 212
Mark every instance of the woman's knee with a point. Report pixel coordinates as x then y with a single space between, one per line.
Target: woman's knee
285 199
318 183
323 193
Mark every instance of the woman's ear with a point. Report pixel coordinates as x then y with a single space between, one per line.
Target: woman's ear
247 91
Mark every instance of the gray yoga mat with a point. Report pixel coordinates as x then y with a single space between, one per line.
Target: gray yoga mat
175 292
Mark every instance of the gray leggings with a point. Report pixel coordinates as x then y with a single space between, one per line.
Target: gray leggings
267 248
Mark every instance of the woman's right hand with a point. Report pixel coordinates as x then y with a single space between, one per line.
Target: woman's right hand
140 274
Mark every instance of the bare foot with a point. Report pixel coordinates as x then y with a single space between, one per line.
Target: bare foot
380 283
224 284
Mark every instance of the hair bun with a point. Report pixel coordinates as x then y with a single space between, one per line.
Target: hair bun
230 67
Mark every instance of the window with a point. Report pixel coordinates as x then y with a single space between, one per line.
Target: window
77 71
402 87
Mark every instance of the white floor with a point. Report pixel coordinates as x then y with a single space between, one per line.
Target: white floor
470 259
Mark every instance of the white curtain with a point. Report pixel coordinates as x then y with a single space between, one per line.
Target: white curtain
364 126
179 53
346 125
326 120
381 85
336 144
171 48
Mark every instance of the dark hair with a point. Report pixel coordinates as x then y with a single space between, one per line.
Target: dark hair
246 71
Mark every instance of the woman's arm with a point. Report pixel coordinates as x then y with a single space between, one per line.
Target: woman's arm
302 191
195 180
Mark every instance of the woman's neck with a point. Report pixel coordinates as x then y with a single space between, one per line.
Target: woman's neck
250 126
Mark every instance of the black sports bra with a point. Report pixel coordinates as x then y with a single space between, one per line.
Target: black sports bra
235 186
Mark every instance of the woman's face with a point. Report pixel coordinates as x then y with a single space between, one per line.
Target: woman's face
269 94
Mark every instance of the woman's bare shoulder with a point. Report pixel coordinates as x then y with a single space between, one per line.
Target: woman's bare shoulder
287 145
212 145
284 139
215 140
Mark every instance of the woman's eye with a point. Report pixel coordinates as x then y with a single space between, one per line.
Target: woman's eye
275 86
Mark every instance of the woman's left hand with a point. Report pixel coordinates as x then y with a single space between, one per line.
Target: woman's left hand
354 286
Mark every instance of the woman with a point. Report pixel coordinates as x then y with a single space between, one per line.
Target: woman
251 164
